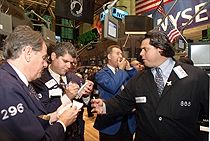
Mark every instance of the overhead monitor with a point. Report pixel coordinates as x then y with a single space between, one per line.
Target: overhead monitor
138 24
48 35
199 53
180 45
5 24
110 28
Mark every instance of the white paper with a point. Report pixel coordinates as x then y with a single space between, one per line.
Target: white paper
77 104
79 94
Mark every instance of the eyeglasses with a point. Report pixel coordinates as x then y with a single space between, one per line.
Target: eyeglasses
45 58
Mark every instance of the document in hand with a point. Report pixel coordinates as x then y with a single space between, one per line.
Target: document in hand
74 103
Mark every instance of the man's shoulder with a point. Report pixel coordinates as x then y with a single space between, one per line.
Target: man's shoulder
44 77
191 68
194 71
73 77
103 71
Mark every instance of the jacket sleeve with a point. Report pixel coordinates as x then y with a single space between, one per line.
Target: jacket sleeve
110 82
19 115
132 72
50 104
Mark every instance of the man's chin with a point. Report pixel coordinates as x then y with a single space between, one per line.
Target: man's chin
64 73
39 75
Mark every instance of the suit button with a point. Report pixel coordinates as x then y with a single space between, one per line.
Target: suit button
160 118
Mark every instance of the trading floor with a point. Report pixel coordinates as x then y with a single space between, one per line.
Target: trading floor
91 134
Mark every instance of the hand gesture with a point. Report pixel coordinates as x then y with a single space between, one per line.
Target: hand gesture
97 105
128 66
71 90
85 89
122 63
69 115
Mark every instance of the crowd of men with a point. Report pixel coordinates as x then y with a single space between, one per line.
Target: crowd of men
41 96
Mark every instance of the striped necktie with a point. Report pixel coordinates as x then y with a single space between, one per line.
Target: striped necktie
32 92
61 81
62 84
159 81
116 70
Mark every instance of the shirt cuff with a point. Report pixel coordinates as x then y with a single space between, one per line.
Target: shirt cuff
129 68
64 127
104 108
65 100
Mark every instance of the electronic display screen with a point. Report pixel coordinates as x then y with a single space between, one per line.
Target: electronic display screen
200 54
112 29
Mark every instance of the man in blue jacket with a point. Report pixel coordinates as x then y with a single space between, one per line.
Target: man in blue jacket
110 81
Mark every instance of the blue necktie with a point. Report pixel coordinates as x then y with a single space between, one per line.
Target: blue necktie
159 81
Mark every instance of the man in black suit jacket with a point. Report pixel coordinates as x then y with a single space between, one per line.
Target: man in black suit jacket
22 115
168 96
50 86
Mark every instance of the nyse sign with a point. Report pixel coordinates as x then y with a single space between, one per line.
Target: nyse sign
117 13
182 12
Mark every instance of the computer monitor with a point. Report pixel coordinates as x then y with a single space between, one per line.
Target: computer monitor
110 28
199 53
5 24
48 35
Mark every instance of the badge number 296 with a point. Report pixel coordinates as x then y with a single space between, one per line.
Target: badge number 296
12 111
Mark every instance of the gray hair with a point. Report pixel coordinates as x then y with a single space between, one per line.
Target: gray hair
21 37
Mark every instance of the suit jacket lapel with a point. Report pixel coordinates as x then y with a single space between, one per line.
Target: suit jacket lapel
108 71
150 82
36 101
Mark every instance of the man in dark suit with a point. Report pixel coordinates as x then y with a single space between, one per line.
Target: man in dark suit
22 115
168 97
110 81
50 85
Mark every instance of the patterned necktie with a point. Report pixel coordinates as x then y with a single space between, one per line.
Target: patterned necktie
159 81
62 85
32 91
116 70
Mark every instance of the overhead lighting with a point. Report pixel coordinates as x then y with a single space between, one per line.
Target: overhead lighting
135 32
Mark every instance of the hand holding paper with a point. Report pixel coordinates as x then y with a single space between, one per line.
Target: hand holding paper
85 89
75 103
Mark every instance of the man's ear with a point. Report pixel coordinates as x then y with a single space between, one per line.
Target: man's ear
27 53
160 50
108 56
53 56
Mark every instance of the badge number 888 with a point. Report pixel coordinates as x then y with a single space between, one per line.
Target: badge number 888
12 111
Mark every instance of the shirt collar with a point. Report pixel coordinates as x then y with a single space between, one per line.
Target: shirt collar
57 76
20 74
166 67
112 68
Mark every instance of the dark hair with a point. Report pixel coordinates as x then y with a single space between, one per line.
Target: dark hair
61 49
160 40
21 37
